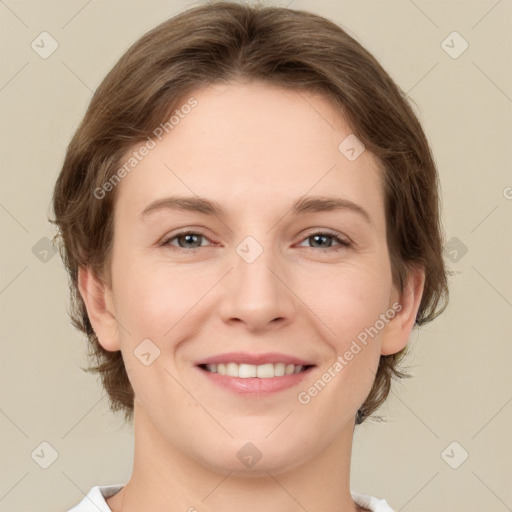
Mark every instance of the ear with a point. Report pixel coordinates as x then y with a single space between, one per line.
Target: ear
399 328
99 302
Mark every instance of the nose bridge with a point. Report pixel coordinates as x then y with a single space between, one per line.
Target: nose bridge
256 292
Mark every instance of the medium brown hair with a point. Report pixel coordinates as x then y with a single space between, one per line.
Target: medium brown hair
225 42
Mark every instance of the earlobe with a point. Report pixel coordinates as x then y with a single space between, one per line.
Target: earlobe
97 297
397 332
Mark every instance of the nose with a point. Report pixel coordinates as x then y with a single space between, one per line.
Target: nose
257 293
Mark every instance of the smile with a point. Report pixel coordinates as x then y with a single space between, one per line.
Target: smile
262 371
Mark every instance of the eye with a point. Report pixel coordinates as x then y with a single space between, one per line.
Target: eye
191 241
186 240
320 237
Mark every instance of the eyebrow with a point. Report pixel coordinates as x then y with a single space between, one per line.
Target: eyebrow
306 204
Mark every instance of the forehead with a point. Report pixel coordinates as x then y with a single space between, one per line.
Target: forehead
244 143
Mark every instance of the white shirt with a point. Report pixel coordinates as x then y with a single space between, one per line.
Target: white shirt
95 500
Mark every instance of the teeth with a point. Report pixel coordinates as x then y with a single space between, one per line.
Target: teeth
279 369
262 371
232 369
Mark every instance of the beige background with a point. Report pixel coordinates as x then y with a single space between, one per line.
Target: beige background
462 387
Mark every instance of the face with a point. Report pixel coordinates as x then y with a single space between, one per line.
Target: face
271 282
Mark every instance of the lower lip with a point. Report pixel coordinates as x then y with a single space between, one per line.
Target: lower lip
254 386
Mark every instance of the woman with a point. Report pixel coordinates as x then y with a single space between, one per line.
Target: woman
249 217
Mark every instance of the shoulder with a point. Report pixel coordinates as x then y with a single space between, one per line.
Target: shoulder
94 501
371 502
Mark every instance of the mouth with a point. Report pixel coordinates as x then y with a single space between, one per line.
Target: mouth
261 371
254 375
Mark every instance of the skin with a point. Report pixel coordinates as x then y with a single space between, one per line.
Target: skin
255 149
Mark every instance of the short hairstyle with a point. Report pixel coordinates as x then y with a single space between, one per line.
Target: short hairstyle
223 42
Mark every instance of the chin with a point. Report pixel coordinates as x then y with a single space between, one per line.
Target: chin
255 458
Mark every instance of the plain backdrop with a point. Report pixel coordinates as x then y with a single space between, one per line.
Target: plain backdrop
446 443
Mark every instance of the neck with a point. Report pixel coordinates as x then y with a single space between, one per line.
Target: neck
167 479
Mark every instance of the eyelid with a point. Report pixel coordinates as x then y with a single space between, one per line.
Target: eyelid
324 231
343 242
190 231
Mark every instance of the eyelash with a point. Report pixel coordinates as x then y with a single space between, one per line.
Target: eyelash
343 243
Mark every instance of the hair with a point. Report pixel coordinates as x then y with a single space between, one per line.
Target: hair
225 42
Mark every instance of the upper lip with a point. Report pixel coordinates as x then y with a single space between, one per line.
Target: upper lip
254 359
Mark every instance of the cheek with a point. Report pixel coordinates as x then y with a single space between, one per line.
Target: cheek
152 299
352 301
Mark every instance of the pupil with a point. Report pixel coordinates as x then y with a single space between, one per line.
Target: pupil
189 238
317 237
